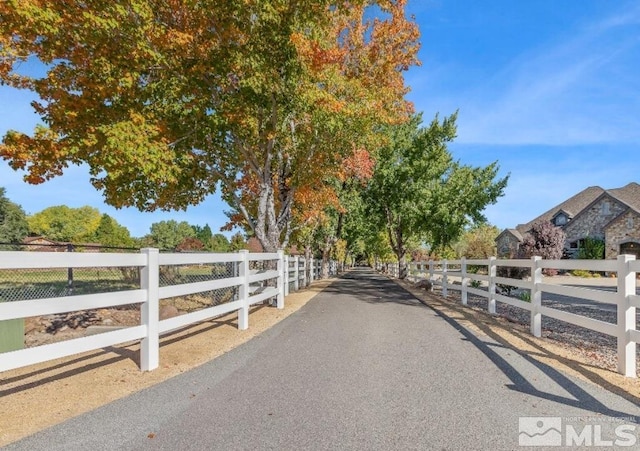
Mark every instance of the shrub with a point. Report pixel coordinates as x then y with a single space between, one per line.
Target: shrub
580 273
544 240
525 296
592 249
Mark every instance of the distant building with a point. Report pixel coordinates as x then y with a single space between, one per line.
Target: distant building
42 244
611 215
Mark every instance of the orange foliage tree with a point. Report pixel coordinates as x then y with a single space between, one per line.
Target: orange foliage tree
168 100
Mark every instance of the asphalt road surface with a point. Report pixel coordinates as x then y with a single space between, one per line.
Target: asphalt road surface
363 366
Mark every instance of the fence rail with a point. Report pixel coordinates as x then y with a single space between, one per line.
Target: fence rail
242 279
456 275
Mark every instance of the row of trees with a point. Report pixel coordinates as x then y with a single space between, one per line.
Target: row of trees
295 110
86 225
167 101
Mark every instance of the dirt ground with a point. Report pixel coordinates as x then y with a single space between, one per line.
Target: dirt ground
43 395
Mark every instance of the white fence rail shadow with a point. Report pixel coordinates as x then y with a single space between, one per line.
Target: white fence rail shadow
256 277
456 275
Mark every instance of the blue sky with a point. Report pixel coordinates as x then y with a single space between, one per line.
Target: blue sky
550 89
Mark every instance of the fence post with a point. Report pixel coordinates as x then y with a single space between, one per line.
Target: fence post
536 297
243 312
305 279
285 271
464 281
281 280
296 272
445 279
626 317
150 311
311 270
431 272
492 286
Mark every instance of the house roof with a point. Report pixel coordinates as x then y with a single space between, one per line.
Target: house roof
513 232
571 206
629 195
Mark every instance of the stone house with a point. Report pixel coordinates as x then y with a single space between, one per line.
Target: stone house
612 215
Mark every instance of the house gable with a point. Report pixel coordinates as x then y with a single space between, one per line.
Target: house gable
623 229
508 242
591 221
572 207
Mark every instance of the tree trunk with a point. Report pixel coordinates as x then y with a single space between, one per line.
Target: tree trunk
307 256
396 238
325 263
402 266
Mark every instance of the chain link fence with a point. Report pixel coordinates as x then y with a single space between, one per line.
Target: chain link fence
183 274
26 284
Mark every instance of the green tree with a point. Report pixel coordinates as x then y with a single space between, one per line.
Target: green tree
219 243
203 234
168 235
110 233
168 101
62 223
418 193
237 242
13 222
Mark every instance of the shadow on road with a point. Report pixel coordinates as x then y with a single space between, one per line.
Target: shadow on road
372 288
580 398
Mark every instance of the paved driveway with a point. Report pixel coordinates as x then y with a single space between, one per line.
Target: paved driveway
363 366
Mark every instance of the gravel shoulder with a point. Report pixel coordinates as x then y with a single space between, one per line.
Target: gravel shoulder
39 396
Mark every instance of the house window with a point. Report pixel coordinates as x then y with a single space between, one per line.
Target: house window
561 220
606 208
629 222
573 245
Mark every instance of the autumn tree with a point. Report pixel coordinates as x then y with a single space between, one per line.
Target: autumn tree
419 193
332 211
478 242
190 243
13 222
63 223
167 100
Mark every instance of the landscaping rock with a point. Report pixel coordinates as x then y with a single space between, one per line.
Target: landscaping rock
168 311
424 284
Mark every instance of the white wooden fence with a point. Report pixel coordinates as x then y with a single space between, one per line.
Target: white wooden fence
254 286
441 273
